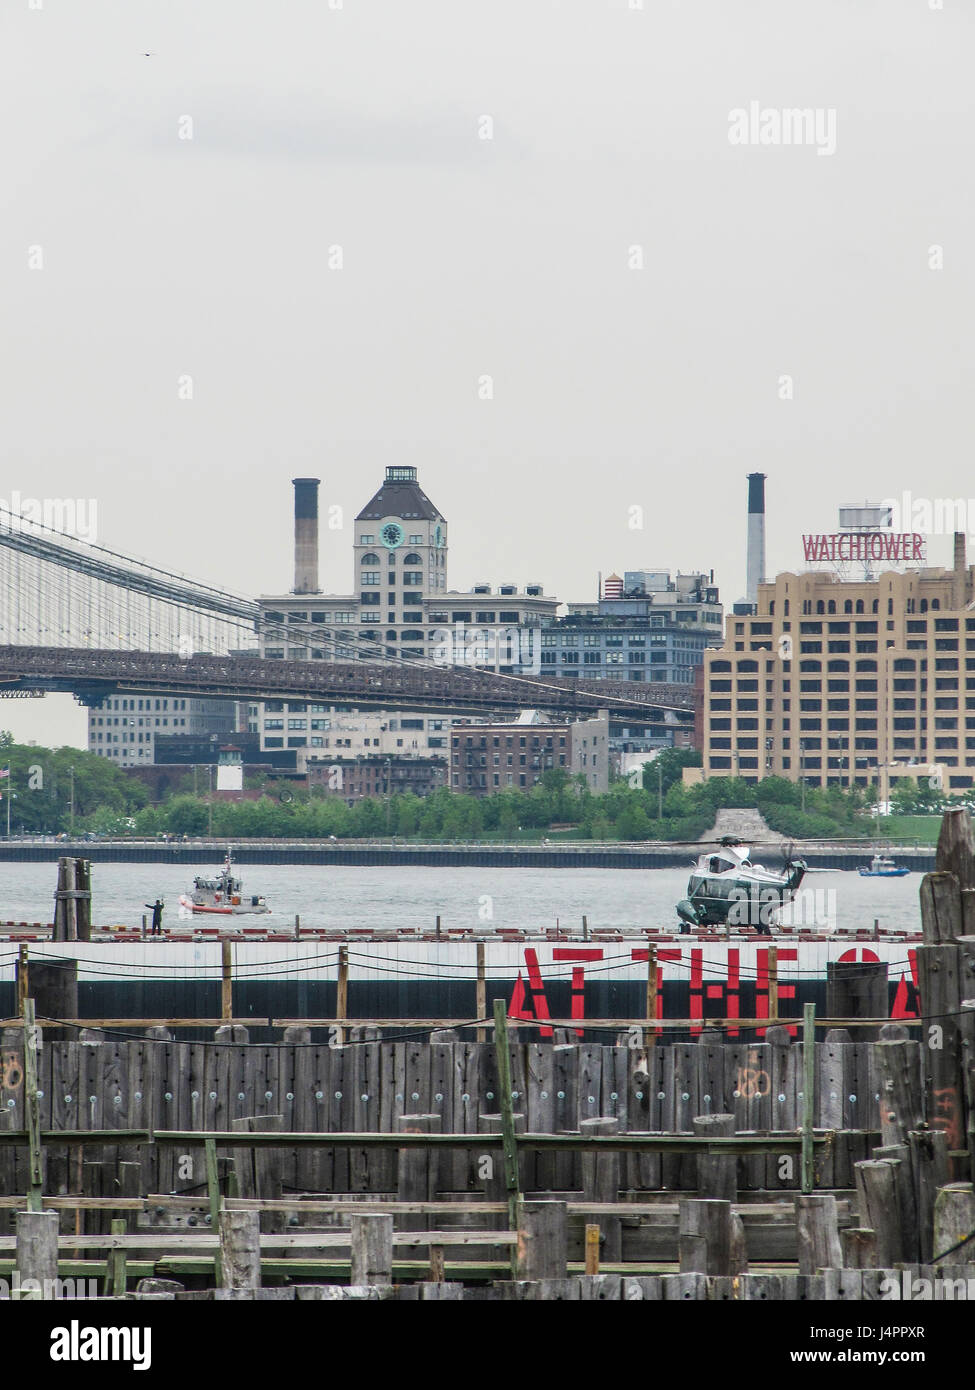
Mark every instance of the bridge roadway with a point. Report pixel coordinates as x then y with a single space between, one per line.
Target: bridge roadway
93 674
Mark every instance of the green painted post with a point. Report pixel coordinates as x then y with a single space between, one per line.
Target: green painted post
509 1142
32 1112
808 1095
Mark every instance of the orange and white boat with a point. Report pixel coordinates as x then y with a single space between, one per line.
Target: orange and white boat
221 895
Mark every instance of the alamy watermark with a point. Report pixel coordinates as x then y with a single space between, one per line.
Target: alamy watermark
46 1289
72 516
932 516
487 647
777 126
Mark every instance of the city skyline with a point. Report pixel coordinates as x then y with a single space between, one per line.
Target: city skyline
557 207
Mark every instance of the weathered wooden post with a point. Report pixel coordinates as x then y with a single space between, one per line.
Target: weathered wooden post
372 1249
37 1253
480 1003
601 1183
929 1169
417 1168
857 990
808 1176
859 1247
32 1112
650 1034
817 1233
116 1262
342 989
706 1241
880 1209
592 1248
717 1174
226 981
947 919
898 1066
240 1249
258 1169
543 1240
954 1223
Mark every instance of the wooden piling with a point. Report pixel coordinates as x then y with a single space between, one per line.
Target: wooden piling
592 1238
705 1239
601 1183
372 1249
543 1240
37 1251
116 1280
342 989
416 1169
929 1170
717 1174
879 1207
954 1220
480 1004
240 1249
817 1233
859 1246
226 980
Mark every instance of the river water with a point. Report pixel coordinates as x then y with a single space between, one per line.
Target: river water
341 897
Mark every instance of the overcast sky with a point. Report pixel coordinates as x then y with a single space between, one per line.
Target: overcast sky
361 127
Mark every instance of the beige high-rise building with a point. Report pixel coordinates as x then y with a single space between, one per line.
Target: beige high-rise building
848 681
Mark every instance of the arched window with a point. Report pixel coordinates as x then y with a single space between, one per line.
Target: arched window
874 608
859 605
785 608
935 603
831 606
413 559
890 607
370 559
924 605
848 606
820 606
771 609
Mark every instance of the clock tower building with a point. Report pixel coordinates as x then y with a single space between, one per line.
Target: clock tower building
400 554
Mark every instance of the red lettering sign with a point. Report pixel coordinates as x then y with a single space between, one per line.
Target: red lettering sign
895 546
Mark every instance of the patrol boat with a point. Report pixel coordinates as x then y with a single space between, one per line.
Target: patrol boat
881 866
726 888
222 895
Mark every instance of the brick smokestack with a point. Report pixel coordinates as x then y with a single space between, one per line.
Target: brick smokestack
755 567
959 578
306 535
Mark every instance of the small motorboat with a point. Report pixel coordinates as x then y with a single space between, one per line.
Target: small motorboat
726 888
222 895
881 866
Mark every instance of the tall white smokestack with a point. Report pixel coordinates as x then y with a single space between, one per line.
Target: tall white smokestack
306 535
755 570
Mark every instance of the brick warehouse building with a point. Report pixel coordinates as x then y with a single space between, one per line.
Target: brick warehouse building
846 682
488 758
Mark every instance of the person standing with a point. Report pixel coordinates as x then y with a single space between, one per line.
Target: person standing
157 912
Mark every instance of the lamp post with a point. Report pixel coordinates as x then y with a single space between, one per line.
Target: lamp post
660 790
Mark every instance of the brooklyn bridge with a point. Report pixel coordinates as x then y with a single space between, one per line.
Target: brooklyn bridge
78 618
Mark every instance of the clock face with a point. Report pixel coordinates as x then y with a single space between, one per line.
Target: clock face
391 535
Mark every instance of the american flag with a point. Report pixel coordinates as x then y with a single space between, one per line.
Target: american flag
4 771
